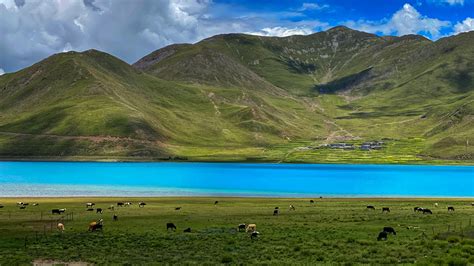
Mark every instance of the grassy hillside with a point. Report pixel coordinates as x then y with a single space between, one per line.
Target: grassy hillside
243 97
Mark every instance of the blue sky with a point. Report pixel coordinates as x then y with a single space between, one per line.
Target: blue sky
31 30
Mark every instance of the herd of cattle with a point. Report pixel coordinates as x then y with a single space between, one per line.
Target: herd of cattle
251 229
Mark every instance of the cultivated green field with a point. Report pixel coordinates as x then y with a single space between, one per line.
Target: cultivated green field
330 231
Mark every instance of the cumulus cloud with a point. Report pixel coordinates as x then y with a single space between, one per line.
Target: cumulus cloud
2 71
282 31
464 26
407 20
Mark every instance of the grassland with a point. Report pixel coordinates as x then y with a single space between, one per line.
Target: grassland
330 231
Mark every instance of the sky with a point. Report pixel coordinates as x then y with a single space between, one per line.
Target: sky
31 30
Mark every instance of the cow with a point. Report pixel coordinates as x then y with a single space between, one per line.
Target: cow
57 211
254 234
60 227
425 211
141 204
111 207
90 204
276 212
90 209
25 204
177 208
22 207
241 227
370 207
1 206
292 208
171 226
450 208
436 205
128 204
385 209
311 201
20 203
115 217
187 230
389 230
98 210
120 204
276 208
216 202
94 226
250 228
472 204
417 209
382 236
35 204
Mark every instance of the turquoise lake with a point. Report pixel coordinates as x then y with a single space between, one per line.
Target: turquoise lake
233 179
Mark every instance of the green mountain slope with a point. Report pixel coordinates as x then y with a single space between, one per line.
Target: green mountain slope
237 97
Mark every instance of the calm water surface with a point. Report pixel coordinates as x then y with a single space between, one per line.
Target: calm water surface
232 179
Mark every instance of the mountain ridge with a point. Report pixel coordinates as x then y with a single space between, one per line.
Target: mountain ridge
248 94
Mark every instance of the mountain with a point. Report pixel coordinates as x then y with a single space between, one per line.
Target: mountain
244 97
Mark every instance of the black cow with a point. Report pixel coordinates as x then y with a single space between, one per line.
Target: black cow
385 209
115 217
22 207
425 211
55 211
187 230
382 236
177 208
311 201
370 207
120 204
450 208
216 202
1 206
254 234
241 227
170 226
141 204
90 209
389 230
98 210
276 208
276 212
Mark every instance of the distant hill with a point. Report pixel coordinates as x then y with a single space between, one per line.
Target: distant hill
244 97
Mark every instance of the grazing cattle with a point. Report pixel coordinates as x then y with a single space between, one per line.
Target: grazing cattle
385 209
177 208
98 210
94 226
90 209
254 234
35 204
25 204
1 206
292 208
22 207
425 211
370 207
128 204
141 204
170 226
311 201
382 236
417 209
276 212
241 227
19 203
111 207
60 227
57 211
90 204
472 204
187 230
450 208
436 204
120 204
276 208
250 228
216 202
115 217
389 230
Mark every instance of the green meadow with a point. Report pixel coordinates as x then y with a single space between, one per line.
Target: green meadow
329 231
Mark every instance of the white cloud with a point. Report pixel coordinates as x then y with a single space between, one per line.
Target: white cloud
282 31
407 20
449 2
312 6
2 71
464 26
